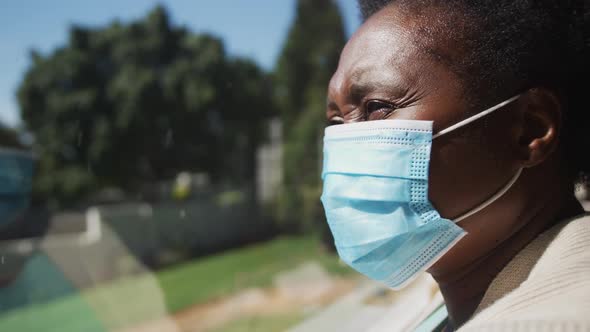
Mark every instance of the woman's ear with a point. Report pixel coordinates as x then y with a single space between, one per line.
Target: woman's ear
541 125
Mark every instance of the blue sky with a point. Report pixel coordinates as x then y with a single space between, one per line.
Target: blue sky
252 28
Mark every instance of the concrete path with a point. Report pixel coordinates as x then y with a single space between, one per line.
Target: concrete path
374 308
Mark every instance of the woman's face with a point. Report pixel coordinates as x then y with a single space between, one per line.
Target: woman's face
389 71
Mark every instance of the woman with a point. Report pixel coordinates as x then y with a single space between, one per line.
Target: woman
458 134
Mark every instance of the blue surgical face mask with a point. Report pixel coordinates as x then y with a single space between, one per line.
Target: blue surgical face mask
16 169
375 196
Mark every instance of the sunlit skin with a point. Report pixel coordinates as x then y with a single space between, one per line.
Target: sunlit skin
385 74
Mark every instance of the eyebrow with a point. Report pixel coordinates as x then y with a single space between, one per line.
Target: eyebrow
360 88
331 105
356 91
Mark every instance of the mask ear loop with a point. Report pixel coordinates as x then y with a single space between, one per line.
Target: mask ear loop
492 199
510 182
475 117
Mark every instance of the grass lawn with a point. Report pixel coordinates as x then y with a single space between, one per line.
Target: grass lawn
254 266
130 300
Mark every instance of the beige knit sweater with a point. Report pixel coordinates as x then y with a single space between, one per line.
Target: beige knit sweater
546 287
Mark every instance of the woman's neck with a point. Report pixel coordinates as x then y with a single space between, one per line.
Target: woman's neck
464 288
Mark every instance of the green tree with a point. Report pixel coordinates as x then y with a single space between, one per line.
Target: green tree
9 138
308 60
128 104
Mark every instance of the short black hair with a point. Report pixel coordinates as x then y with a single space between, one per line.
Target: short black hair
509 46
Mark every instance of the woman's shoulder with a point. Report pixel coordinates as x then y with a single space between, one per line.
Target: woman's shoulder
546 285
567 245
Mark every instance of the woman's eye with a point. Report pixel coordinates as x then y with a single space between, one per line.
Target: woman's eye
336 120
375 106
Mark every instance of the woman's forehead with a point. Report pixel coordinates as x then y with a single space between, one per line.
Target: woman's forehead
384 51
384 37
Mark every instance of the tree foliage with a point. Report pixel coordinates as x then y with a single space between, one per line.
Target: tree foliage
309 58
9 138
132 103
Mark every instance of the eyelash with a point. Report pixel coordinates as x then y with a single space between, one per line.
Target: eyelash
390 107
374 106
381 104
333 122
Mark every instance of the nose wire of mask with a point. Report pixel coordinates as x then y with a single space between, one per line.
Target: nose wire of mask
375 197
